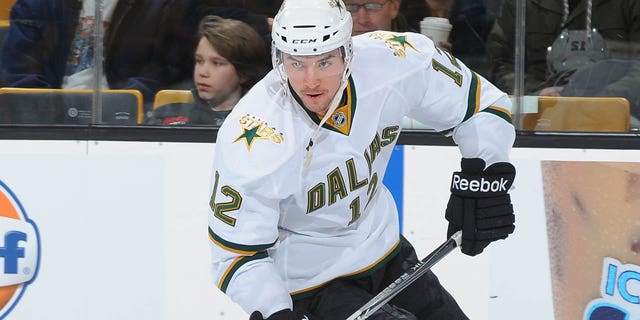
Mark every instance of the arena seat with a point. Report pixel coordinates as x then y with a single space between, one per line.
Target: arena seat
5 8
172 96
60 106
579 114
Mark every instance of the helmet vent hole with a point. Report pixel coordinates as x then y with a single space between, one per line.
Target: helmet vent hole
326 37
303 26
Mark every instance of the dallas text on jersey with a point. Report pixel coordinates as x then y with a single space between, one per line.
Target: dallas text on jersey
317 196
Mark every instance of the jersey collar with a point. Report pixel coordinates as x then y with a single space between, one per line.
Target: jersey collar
342 118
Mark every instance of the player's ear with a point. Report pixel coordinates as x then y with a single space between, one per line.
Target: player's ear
243 79
395 8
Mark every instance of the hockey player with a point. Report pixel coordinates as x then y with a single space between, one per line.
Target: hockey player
301 226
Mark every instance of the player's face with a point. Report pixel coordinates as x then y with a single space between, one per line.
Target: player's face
215 77
373 19
315 79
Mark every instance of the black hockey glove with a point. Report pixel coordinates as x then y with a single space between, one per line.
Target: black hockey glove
480 205
284 314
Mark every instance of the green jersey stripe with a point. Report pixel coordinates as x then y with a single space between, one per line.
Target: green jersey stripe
500 112
243 249
235 265
474 97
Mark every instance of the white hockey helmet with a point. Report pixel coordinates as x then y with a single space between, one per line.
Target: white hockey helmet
311 27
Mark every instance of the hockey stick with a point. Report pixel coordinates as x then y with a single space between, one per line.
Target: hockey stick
406 279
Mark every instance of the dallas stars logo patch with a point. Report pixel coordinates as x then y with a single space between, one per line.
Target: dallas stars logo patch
254 129
398 44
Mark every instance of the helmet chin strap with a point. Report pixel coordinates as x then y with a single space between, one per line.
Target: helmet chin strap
332 107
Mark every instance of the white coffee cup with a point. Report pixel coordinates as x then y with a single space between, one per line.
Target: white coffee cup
436 28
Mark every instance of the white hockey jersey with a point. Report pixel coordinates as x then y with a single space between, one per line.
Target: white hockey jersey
279 229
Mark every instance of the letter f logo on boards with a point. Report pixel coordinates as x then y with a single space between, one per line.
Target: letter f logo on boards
19 250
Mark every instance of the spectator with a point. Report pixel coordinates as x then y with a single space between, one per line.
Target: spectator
51 44
186 15
229 59
372 15
612 25
605 78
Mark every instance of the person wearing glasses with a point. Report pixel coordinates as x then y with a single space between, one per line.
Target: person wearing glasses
372 15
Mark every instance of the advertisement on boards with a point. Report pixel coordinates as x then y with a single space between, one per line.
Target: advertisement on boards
20 250
117 230
593 228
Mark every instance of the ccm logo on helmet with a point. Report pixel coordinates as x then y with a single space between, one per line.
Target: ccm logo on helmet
481 185
303 41
19 250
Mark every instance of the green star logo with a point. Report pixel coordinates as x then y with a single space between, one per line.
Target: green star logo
249 135
255 129
399 44
401 40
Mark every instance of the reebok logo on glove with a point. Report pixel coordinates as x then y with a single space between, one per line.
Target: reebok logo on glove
482 185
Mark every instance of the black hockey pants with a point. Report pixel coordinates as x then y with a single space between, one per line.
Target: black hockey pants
425 299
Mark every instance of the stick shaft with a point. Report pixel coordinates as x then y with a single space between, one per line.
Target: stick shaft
407 278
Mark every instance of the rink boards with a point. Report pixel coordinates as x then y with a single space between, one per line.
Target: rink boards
117 230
